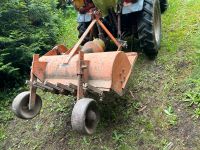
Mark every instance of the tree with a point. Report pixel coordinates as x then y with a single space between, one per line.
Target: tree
26 27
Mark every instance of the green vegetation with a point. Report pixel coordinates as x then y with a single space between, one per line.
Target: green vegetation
160 109
26 27
193 94
193 97
170 115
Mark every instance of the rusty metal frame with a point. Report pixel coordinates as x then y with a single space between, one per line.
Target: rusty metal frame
80 67
32 88
96 20
81 75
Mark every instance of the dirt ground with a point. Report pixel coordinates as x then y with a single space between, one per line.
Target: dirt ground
151 115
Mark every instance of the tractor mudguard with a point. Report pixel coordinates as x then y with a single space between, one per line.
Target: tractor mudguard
84 17
135 7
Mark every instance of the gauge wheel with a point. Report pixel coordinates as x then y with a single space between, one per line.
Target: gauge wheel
85 116
20 106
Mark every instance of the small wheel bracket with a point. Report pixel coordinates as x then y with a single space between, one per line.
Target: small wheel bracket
32 88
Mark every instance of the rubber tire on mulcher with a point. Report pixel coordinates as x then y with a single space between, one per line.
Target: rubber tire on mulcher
85 116
20 106
149 28
163 5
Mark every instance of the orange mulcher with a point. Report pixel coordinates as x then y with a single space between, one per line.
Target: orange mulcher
77 71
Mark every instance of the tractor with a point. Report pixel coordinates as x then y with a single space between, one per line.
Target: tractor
140 19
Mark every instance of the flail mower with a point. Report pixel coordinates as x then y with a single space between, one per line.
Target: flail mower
86 68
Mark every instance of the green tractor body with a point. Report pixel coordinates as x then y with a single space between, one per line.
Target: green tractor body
140 19
104 5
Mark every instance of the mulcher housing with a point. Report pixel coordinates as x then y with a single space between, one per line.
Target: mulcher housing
76 71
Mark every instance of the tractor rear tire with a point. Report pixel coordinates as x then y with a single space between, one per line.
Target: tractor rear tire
149 28
163 5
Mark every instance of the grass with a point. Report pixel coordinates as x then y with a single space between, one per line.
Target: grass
69 36
153 113
193 97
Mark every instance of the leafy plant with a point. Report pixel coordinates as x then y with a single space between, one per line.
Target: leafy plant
196 112
172 117
86 141
2 134
117 137
169 111
193 97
